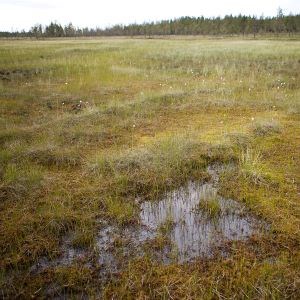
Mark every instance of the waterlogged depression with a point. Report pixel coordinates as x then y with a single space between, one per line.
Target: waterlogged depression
192 232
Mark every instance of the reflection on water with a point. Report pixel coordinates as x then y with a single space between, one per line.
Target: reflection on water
194 232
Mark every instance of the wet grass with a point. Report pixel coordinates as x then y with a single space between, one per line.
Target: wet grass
90 128
210 206
166 226
120 211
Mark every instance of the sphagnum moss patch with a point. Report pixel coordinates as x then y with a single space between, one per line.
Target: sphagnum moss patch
95 132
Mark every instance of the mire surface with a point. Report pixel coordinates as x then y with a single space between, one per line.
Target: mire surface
91 129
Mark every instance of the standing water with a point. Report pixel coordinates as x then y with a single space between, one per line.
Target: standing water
194 231
200 221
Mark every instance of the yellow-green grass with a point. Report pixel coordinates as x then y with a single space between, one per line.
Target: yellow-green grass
210 206
87 126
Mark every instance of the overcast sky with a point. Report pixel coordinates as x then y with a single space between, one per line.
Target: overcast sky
22 14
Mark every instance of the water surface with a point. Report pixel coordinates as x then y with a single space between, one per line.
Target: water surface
193 233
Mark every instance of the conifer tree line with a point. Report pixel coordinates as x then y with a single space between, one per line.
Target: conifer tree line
228 25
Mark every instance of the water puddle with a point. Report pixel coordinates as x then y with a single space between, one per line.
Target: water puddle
191 222
195 232
191 227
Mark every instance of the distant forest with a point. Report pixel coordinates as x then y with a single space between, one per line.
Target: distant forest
229 25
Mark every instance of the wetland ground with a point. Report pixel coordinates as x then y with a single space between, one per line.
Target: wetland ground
162 168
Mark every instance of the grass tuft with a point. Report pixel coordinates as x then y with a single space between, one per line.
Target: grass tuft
152 170
250 164
120 211
167 225
55 157
210 206
266 127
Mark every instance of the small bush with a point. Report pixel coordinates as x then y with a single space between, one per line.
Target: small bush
14 134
